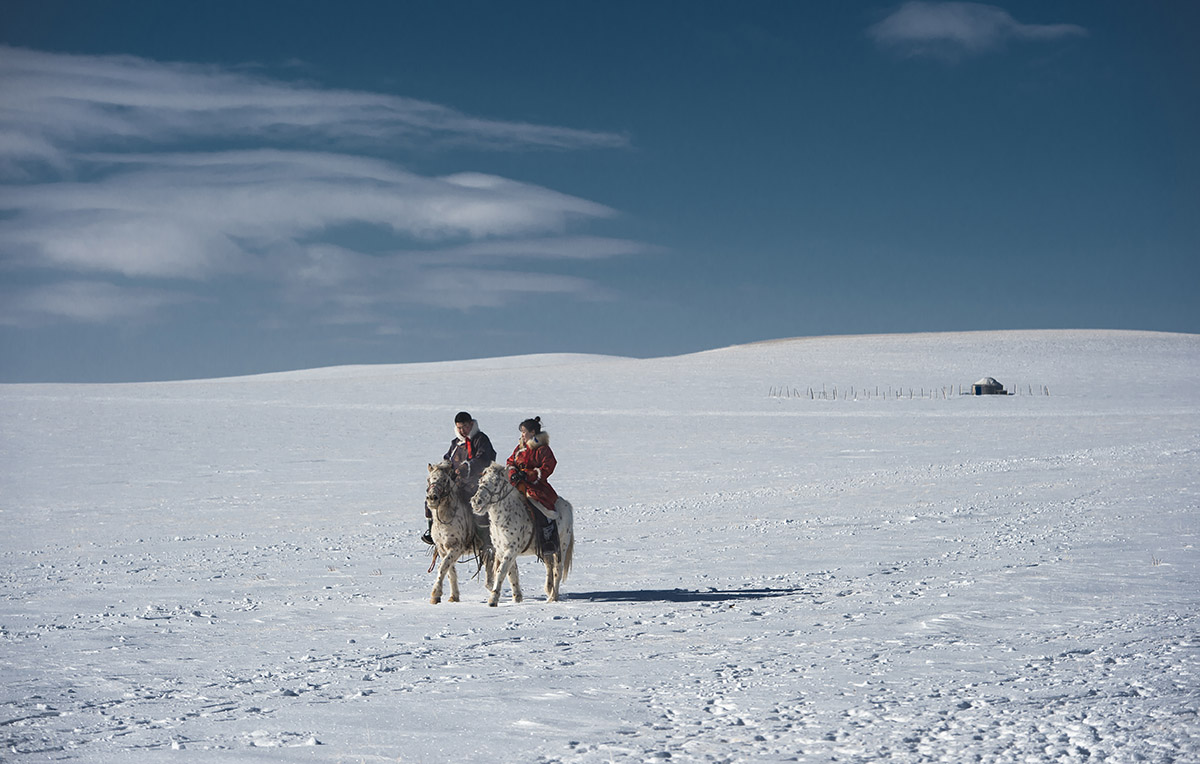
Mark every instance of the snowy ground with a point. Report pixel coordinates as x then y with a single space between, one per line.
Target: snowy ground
229 570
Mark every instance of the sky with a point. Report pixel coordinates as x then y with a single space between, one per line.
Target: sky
225 188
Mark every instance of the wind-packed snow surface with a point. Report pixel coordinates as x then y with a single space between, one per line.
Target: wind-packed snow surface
809 550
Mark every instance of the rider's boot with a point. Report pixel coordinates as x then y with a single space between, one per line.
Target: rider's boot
550 537
428 537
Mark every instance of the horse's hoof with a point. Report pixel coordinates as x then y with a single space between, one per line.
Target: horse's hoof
493 603
434 600
454 599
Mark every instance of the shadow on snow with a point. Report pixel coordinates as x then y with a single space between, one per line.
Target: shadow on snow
681 595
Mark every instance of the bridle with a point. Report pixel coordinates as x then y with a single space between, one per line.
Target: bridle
492 496
431 489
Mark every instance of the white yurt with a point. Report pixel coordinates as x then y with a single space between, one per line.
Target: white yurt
988 386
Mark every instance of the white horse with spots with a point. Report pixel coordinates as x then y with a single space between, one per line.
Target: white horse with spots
453 529
513 533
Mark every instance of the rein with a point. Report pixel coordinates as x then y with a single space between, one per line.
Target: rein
476 551
439 503
494 497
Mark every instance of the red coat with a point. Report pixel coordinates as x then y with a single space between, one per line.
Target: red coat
537 462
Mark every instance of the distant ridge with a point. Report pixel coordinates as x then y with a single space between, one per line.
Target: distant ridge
981 351
965 333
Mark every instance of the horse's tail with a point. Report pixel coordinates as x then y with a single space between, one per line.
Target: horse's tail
565 560
566 524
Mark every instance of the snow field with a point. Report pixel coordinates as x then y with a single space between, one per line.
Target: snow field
229 569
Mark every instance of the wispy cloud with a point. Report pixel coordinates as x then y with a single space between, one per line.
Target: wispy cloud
197 215
555 247
951 29
82 301
104 187
53 103
358 287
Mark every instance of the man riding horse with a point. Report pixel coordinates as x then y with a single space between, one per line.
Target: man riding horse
470 453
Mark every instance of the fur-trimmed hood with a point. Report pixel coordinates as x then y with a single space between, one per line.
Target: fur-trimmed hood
474 431
537 441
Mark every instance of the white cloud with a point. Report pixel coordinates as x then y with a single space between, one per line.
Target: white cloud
554 247
82 301
53 102
132 198
194 216
356 287
948 29
474 287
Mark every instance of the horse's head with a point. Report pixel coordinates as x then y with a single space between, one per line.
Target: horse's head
494 475
440 482
493 482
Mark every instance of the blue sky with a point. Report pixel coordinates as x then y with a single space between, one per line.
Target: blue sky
221 188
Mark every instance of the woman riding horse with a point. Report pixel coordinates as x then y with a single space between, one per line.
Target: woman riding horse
531 463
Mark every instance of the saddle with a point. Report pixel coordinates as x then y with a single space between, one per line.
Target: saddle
532 503
545 526
549 514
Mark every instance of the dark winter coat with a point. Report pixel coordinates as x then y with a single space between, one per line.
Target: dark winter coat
470 457
530 465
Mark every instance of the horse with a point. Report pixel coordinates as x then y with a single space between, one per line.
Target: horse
453 529
513 534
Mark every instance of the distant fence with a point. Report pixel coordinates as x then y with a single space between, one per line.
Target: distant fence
879 392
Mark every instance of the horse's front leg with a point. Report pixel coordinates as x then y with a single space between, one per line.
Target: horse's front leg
436 595
454 580
504 562
447 566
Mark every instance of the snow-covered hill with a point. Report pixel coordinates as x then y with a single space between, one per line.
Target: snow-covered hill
767 569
